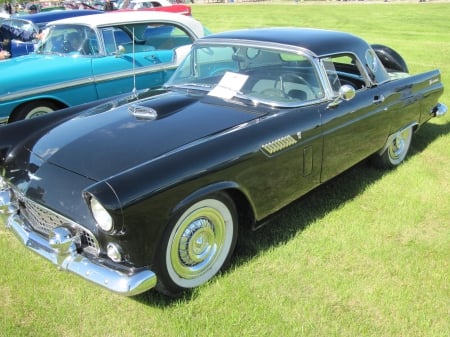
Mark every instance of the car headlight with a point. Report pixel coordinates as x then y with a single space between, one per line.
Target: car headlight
101 215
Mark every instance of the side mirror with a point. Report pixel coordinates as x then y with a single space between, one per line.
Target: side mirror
120 50
347 92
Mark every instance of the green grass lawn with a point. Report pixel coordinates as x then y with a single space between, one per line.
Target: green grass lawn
366 254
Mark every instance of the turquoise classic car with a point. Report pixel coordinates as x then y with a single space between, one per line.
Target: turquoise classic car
83 59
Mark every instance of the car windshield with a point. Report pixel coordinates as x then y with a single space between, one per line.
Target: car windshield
70 40
21 24
274 76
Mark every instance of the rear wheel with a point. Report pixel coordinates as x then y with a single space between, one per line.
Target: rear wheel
34 109
396 150
197 244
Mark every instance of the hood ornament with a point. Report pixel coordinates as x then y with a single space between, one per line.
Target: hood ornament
141 112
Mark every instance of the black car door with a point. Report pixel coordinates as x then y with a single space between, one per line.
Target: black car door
356 128
353 130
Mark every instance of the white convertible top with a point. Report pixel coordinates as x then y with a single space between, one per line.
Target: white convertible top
128 17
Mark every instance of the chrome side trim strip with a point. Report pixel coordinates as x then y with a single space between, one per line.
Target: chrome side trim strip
92 80
46 88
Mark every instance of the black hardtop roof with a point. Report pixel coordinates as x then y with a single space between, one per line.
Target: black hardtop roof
319 41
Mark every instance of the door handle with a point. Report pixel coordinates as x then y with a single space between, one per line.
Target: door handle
378 99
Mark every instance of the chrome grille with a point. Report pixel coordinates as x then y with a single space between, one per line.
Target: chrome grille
43 220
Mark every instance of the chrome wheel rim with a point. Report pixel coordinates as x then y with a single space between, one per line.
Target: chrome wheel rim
39 111
399 146
199 243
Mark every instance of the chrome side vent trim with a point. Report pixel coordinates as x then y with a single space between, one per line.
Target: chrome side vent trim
142 112
279 145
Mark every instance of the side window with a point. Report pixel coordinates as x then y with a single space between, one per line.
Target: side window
114 37
108 39
375 67
343 69
145 38
70 39
298 79
164 37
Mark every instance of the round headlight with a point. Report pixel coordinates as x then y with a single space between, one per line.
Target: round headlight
101 215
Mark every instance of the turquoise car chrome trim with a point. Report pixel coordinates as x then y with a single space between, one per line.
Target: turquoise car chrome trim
84 81
45 89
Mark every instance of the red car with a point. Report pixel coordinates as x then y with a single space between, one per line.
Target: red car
152 5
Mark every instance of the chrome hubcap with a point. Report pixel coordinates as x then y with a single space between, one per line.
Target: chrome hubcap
399 145
197 242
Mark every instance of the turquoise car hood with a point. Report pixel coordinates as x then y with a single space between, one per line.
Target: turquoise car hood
35 70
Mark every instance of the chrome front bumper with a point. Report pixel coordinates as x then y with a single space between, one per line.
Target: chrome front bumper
61 250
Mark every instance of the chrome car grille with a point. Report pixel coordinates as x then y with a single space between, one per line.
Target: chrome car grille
44 220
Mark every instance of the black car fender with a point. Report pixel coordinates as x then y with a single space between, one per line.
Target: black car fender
233 189
158 191
12 134
106 195
202 192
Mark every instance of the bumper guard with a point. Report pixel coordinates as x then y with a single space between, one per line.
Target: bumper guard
60 249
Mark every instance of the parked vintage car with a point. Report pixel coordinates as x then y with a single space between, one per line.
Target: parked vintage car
36 23
82 59
154 5
150 191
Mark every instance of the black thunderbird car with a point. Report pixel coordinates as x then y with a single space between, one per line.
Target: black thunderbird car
149 191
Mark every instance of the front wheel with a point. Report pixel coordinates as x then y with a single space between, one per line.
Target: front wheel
34 109
197 244
396 150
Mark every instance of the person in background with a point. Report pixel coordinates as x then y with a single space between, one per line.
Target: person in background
8 8
8 33
32 9
4 54
108 6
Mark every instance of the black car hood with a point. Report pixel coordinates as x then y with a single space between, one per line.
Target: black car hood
108 140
